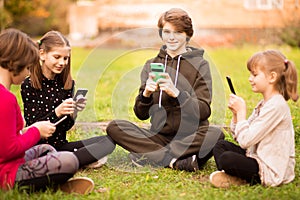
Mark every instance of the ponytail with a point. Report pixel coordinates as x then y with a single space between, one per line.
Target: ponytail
274 61
290 81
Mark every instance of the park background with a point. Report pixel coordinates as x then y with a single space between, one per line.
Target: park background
111 40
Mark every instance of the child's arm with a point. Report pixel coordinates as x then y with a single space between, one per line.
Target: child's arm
238 107
264 122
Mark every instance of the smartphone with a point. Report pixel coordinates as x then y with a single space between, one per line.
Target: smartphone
230 84
157 69
62 119
80 93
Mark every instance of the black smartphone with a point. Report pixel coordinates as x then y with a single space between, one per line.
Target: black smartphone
81 92
230 84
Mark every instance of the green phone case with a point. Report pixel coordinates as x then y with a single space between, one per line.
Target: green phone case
157 68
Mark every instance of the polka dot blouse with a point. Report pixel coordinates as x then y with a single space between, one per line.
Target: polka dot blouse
40 104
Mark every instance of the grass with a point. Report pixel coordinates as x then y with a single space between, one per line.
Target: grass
112 77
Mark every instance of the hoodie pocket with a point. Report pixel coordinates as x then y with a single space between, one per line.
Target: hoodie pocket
158 118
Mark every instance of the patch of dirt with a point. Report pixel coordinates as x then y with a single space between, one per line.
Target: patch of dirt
89 126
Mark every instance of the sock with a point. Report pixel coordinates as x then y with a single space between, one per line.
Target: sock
172 162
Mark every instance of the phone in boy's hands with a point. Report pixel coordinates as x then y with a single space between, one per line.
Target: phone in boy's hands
157 69
80 94
230 85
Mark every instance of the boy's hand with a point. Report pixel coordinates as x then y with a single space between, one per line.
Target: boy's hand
166 84
151 85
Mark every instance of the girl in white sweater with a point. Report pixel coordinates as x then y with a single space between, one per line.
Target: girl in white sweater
266 151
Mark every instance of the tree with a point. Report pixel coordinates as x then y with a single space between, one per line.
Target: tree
36 17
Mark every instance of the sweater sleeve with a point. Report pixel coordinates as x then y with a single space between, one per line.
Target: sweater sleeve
268 119
13 144
143 104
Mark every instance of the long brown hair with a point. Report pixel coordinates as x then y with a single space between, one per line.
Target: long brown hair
274 61
49 41
17 51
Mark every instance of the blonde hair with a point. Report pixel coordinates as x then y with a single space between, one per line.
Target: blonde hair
274 61
50 40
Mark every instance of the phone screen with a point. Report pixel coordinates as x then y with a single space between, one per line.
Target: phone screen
81 92
230 85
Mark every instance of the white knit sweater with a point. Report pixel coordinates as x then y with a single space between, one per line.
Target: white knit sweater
268 136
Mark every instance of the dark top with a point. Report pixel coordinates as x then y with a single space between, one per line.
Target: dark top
191 109
40 104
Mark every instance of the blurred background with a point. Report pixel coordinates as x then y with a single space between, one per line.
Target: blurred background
216 22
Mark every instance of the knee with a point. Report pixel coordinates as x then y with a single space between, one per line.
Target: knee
220 144
218 149
70 162
112 127
217 132
225 160
47 148
112 144
115 127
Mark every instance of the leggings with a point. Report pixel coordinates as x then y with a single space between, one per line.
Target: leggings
40 171
89 150
233 160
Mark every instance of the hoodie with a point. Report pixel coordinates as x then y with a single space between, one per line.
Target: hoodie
191 75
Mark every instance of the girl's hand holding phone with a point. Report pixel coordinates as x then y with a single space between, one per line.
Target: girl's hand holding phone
67 107
80 104
238 107
46 128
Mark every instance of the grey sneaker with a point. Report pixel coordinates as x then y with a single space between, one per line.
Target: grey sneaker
220 179
138 160
78 185
189 164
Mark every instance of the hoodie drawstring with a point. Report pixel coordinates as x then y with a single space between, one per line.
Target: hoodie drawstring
176 77
177 71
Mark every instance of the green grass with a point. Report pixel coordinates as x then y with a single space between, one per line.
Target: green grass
112 77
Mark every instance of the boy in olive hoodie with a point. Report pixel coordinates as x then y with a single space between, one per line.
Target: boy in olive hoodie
178 103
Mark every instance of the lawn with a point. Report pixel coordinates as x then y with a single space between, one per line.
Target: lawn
112 77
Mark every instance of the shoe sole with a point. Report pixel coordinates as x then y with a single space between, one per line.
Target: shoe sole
78 185
220 179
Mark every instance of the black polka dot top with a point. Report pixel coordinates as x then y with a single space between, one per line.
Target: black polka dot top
40 104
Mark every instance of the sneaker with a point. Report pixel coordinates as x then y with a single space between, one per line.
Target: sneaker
97 164
220 179
138 160
78 185
189 164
